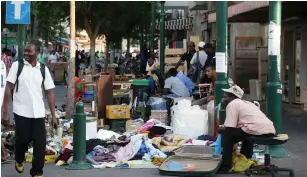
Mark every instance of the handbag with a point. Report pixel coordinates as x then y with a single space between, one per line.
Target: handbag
195 69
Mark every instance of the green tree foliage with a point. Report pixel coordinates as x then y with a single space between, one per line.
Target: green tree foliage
48 19
115 20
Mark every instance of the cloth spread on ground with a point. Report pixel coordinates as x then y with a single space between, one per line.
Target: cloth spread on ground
240 163
139 145
130 150
168 143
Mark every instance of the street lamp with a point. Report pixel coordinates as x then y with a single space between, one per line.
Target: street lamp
5 32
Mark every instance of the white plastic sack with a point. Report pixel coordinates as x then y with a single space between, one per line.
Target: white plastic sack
189 121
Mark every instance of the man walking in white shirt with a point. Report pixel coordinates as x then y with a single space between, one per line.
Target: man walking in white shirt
202 55
27 78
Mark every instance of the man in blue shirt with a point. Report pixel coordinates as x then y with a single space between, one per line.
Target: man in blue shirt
184 79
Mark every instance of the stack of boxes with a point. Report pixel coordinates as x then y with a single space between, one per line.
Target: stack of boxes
117 116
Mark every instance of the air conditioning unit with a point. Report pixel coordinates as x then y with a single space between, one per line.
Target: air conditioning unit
255 90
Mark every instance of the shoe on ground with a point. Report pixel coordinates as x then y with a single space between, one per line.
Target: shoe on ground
19 167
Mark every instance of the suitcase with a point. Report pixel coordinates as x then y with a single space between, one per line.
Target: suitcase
200 161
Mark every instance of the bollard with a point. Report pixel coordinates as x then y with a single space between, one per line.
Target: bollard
79 140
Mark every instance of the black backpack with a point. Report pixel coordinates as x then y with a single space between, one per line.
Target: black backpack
20 67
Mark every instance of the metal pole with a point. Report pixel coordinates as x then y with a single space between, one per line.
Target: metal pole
274 88
221 57
142 38
79 140
22 40
162 40
71 63
6 41
153 25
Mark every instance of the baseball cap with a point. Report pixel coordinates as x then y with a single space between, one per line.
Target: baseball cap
201 44
236 90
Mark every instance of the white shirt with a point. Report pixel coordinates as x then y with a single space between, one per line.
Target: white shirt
202 58
28 101
177 87
52 58
3 80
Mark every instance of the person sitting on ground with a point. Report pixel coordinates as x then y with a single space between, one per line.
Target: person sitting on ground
211 75
174 87
184 79
243 119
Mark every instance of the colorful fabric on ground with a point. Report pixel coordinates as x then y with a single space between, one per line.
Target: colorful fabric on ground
240 163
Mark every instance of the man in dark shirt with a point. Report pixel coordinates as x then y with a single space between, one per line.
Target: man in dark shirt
187 56
211 54
144 58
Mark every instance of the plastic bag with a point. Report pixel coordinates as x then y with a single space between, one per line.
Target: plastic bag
189 121
157 103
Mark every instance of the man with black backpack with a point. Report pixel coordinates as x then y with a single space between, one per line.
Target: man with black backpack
26 79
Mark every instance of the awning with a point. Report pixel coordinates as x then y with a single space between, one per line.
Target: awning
240 8
200 7
178 24
65 46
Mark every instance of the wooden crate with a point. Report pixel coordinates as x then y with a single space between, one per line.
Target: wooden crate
174 51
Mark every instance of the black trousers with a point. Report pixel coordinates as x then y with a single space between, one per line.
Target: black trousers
30 130
231 136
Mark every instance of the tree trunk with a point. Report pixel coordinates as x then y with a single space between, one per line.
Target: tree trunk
106 59
92 52
71 71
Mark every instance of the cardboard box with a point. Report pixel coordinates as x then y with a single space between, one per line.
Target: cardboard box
88 78
117 112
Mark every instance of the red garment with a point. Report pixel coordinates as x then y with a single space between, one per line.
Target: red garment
6 60
78 94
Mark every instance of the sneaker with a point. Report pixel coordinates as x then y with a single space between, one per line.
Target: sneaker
19 167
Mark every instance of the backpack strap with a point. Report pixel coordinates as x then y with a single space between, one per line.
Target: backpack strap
197 57
43 67
20 67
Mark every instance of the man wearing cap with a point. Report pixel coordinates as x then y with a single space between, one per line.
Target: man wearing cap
202 55
243 119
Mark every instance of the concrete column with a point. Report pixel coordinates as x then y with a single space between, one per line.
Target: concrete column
303 65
